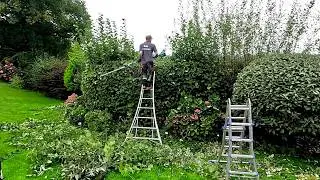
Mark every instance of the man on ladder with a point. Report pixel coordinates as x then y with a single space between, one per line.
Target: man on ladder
148 52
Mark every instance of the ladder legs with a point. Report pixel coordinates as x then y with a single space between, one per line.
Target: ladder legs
140 122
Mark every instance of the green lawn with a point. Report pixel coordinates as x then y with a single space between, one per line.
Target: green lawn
16 106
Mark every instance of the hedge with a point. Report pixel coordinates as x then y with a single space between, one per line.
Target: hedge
284 90
118 93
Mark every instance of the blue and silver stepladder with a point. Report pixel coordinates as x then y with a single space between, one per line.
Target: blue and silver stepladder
237 143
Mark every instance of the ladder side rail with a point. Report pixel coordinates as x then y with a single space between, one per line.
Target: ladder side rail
229 139
251 137
136 114
136 119
154 107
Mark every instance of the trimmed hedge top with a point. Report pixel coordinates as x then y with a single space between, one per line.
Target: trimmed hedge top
285 92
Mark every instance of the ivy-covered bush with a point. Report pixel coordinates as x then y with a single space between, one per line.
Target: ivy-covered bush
99 121
284 90
46 75
72 74
75 114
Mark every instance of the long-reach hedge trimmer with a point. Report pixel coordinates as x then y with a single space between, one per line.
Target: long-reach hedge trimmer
122 67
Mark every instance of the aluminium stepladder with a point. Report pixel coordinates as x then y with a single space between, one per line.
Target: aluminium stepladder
145 126
236 147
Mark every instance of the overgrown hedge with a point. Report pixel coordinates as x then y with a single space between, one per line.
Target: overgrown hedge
118 93
284 90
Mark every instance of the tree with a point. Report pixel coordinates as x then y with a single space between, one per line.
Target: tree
41 25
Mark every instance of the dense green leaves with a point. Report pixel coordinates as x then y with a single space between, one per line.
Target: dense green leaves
46 75
79 152
284 90
192 119
76 61
44 25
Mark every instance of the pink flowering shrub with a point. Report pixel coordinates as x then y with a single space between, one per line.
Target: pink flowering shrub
7 70
192 120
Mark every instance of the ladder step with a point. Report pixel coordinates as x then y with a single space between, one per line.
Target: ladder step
235 128
145 138
147 98
240 140
243 173
245 177
238 118
223 161
241 124
145 107
151 128
239 107
242 156
239 156
147 89
235 147
233 137
144 117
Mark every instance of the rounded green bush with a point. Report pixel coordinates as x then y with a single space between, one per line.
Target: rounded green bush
284 90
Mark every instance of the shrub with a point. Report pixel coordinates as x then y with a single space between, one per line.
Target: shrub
7 70
116 93
79 152
99 121
75 114
17 82
82 154
134 156
284 90
72 74
46 75
24 59
192 119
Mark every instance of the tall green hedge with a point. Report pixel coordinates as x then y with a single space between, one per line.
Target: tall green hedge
118 93
284 90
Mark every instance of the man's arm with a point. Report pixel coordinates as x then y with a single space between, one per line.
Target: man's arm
155 51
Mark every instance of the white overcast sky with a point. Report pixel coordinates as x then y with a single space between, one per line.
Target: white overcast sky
155 17
143 17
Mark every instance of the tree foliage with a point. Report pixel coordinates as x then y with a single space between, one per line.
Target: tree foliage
231 30
44 25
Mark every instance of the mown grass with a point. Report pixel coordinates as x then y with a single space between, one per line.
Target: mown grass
17 106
